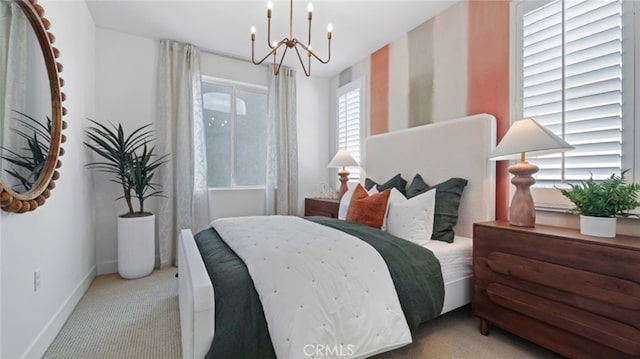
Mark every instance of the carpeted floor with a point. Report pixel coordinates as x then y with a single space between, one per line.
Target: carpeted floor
123 319
138 319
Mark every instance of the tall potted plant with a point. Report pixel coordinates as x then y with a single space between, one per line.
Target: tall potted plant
600 202
132 163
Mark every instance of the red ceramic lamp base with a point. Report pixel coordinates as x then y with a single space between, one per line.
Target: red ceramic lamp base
522 212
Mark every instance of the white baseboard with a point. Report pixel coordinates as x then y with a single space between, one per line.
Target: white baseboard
46 336
107 267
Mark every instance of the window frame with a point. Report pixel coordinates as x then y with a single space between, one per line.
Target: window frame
358 83
551 199
235 85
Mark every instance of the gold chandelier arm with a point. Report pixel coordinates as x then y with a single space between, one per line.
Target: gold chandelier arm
309 32
290 20
269 5
307 73
269 31
276 71
272 52
316 56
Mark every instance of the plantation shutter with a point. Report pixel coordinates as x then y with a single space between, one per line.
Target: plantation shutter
572 84
349 127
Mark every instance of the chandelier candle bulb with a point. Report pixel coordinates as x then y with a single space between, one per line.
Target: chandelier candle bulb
269 8
253 33
329 30
310 10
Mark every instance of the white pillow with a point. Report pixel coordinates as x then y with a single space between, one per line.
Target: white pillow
394 197
344 203
412 219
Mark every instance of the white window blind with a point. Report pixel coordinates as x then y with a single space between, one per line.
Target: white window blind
349 126
572 84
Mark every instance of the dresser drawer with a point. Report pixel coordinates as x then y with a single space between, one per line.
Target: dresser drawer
577 295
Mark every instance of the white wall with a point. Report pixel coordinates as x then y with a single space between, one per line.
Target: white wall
126 93
313 119
231 69
58 237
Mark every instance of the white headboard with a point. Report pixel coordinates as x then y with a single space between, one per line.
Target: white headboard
439 151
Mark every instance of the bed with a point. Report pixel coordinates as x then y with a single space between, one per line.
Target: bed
452 148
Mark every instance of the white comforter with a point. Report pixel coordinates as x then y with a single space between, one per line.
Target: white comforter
325 294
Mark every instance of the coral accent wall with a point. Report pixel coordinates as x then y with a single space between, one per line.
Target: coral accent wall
379 110
488 81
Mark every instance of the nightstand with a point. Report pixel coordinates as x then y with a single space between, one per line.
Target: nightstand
321 207
574 294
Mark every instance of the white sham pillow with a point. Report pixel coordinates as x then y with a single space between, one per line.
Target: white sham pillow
412 219
394 197
344 203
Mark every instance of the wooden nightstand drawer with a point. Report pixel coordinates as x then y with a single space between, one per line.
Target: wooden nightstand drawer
321 207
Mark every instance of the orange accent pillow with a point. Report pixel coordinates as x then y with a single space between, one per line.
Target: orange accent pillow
369 210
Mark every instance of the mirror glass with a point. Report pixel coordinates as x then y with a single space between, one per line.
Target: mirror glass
25 101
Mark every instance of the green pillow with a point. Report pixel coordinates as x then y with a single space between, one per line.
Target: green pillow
417 186
448 195
396 182
369 183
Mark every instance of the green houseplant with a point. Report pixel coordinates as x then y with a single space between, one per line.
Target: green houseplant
120 158
599 203
27 162
132 164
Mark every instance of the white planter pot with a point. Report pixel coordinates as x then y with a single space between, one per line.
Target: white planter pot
598 226
136 246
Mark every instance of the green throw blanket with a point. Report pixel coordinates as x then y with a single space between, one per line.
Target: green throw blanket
240 327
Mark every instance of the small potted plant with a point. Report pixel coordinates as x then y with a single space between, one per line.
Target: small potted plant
132 163
600 202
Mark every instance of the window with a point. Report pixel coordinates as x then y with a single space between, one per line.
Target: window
235 126
574 72
349 126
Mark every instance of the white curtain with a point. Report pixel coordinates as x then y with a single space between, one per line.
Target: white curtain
181 135
282 145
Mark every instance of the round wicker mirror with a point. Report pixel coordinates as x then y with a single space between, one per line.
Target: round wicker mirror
30 138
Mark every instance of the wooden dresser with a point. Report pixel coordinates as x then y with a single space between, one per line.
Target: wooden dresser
576 295
321 207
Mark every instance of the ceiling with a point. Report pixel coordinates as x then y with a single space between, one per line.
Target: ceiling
359 27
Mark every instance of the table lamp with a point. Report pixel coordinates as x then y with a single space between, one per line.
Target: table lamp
343 159
526 137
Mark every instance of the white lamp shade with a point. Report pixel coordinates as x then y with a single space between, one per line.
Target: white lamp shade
342 159
530 137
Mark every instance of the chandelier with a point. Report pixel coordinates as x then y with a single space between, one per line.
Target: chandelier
289 42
